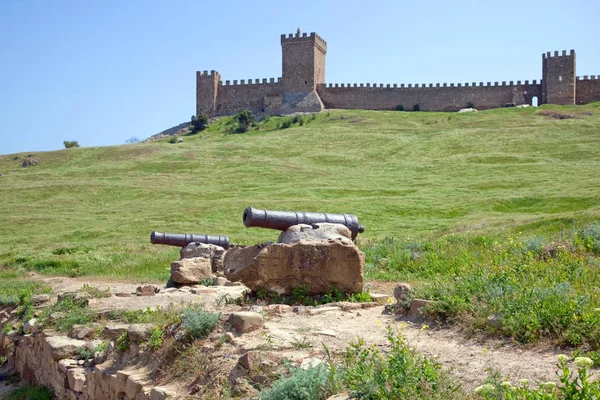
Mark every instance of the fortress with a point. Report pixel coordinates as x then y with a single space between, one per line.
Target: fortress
302 87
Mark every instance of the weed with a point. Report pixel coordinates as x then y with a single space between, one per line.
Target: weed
94 292
3 359
363 297
589 237
198 323
122 342
300 344
208 282
261 293
73 313
156 339
301 384
29 393
299 294
85 353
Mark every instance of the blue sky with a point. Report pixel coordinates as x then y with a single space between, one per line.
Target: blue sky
100 72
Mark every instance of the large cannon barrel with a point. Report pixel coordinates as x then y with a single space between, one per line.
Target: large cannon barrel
183 239
282 220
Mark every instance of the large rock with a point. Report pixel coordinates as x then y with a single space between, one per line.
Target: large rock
320 231
191 270
58 347
280 267
246 321
214 252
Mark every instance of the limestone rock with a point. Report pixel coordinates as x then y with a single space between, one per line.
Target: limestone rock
40 298
280 267
247 360
191 270
463 110
246 321
57 347
82 332
113 331
402 292
416 305
139 332
76 379
160 393
382 299
30 326
213 252
320 231
147 290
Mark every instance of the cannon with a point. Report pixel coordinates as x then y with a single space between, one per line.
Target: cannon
183 239
282 220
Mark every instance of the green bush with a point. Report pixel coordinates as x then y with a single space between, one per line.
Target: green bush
198 323
312 383
416 107
156 339
399 107
590 238
245 120
70 144
286 123
470 105
30 393
199 122
173 139
399 373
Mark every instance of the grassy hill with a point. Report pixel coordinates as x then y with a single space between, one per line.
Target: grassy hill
90 210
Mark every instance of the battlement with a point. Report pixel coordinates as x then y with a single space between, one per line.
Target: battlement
251 82
427 86
298 38
206 74
548 55
588 78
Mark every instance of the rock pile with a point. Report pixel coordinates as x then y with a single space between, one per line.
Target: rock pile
197 262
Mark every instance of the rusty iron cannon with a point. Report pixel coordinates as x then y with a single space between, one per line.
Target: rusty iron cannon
183 239
282 220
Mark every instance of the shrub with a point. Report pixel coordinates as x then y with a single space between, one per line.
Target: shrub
245 119
400 373
173 139
156 339
123 341
286 123
416 107
30 393
399 107
132 140
198 323
590 238
70 144
199 122
470 105
312 383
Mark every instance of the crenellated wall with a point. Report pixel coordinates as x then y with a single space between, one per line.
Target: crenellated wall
588 89
429 97
302 87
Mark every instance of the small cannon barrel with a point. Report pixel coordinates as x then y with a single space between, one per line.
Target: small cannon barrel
183 239
282 220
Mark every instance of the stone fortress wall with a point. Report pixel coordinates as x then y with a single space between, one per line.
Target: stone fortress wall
302 87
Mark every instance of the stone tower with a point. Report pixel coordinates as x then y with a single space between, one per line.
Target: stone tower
558 78
207 86
303 61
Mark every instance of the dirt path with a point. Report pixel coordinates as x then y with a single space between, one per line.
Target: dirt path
470 360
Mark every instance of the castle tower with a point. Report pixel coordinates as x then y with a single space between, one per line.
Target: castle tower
303 61
558 78
207 86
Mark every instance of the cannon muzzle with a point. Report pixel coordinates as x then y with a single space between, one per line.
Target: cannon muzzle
183 239
282 220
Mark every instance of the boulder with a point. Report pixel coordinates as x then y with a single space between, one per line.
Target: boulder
416 305
114 331
402 292
320 231
147 290
82 332
76 379
213 252
57 347
246 321
280 267
463 110
139 332
30 326
40 298
191 270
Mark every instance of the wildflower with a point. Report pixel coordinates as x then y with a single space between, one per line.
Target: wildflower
403 325
583 362
524 382
378 322
425 326
562 358
485 389
390 301
549 386
506 385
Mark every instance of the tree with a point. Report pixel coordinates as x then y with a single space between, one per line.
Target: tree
133 139
70 144
245 119
199 123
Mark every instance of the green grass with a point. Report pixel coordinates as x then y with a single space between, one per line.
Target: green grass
89 211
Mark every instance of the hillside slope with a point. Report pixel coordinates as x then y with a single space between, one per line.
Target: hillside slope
91 210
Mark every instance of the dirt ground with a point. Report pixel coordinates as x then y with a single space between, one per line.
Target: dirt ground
470 360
